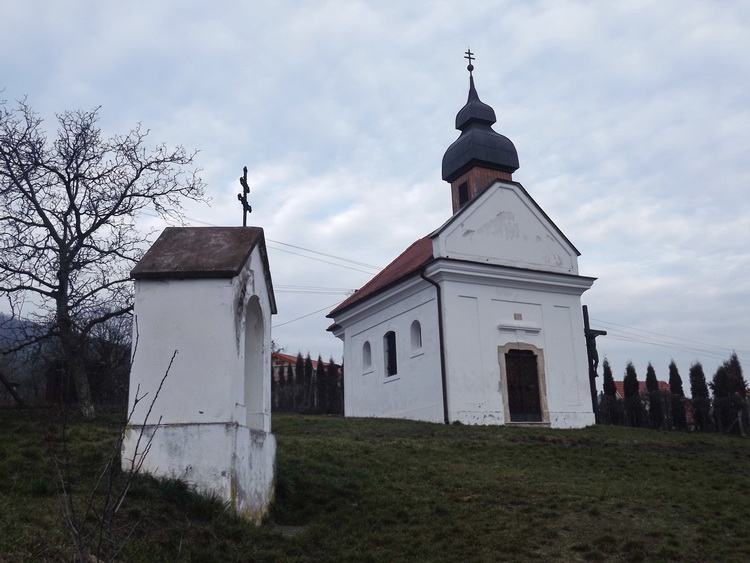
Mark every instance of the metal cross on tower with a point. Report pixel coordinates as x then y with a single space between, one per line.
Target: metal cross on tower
243 197
470 56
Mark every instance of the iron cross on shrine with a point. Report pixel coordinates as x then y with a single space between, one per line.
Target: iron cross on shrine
243 197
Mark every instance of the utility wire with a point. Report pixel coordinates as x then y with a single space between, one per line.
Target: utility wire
665 341
339 258
311 289
319 260
378 268
307 315
671 337
714 355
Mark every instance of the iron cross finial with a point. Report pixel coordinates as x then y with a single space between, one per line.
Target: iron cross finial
243 197
470 56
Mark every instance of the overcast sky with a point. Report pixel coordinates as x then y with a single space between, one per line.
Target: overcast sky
631 120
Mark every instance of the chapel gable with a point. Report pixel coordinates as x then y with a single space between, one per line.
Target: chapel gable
504 226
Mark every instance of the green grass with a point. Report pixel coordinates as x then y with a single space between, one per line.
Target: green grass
387 490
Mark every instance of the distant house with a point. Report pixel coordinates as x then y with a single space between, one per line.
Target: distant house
663 386
620 385
316 395
280 362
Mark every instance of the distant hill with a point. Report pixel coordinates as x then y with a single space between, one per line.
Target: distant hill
14 330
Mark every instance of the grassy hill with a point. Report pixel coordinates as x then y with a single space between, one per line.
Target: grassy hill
386 490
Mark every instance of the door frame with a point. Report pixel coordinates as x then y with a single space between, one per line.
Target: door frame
539 353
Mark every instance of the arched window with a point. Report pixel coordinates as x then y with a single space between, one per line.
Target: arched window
416 336
366 356
389 345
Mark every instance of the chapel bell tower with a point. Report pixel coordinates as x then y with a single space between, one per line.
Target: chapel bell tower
480 155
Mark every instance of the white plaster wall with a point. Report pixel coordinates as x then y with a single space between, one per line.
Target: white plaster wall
232 461
194 318
504 227
204 321
214 408
480 318
416 391
481 309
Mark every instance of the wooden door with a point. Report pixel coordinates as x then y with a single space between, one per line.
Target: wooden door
523 386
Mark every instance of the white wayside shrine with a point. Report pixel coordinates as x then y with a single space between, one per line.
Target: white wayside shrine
480 321
206 294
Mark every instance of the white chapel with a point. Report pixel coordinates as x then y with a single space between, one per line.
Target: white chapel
480 321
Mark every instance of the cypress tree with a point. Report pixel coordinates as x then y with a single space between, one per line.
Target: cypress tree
675 381
737 383
321 381
700 401
739 388
677 397
274 388
655 411
721 395
630 381
298 383
609 411
288 388
730 393
308 386
319 395
340 390
610 388
332 385
633 404
278 403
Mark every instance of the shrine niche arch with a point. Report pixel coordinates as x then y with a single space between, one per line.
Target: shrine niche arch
254 364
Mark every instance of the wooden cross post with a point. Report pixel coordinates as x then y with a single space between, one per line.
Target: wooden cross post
243 197
593 356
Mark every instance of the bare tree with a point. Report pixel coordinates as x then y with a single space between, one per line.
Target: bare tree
68 209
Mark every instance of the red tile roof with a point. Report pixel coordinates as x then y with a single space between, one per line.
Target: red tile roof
409 262
279 358
663 386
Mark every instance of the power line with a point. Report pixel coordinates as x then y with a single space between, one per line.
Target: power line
307 315
672 337
652 338
714 355
319 260
311 289
339 258
328 255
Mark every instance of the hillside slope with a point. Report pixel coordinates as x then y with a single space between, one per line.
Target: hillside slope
386 490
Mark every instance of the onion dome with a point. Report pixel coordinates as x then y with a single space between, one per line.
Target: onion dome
478 144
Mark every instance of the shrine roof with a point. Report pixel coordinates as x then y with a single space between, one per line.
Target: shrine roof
200 252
